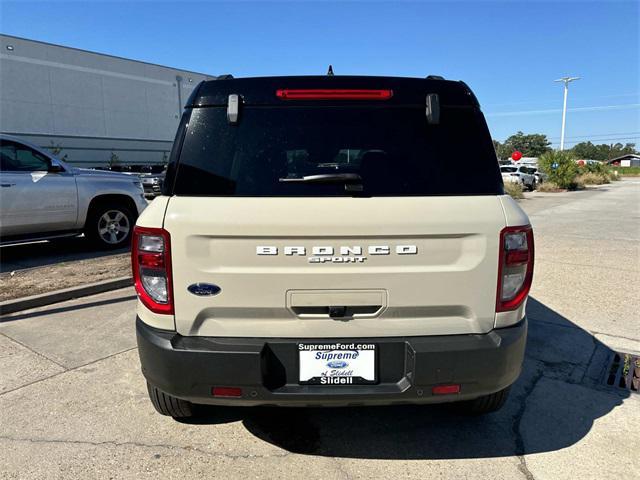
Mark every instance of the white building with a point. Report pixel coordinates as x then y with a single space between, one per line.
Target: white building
91 105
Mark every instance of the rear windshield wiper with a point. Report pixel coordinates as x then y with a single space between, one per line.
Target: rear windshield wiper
326 178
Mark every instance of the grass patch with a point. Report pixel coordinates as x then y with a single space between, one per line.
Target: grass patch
593 178
625 171
513 189
549 187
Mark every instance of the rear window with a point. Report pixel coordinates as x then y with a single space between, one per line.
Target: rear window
390 151
508 169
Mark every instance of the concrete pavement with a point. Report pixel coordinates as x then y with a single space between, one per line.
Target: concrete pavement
73 403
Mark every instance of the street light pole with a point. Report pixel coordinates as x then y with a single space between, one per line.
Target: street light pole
566 81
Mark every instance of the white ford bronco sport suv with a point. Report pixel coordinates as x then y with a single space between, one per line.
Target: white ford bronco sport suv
315 244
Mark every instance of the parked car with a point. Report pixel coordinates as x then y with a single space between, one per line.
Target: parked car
43 197
151 176
152 184
314 245
519 174
541 177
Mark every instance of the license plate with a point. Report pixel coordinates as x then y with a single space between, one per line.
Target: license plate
337 364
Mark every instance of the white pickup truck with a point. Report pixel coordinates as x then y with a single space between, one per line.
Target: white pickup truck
42 197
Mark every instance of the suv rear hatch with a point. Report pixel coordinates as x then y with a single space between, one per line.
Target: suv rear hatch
334 217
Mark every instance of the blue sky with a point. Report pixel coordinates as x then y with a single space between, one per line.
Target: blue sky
509 52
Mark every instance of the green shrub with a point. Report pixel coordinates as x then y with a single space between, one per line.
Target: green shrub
598 168
566 171
513 189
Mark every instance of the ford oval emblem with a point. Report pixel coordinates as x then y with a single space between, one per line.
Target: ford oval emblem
337 364
204 289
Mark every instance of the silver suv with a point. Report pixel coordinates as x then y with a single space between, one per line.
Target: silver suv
42 197
316 245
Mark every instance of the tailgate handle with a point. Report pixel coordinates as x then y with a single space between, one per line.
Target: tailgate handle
336 304
337 312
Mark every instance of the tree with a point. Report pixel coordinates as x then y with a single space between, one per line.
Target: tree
56 150
503 152
114 161
602 152
532 145
560 167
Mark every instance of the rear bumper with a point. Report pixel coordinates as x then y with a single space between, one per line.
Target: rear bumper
512 180
267 368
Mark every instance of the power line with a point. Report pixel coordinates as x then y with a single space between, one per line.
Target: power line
612 134
594 108
604 141
538 102
599 141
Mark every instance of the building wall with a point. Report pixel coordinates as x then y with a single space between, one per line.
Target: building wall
90 104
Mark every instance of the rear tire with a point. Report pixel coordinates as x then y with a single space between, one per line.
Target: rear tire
486 404
167 405
109 226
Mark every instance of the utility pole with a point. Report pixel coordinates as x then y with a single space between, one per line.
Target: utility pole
566 81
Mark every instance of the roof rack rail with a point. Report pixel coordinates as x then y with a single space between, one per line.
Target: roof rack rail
435 77
226 76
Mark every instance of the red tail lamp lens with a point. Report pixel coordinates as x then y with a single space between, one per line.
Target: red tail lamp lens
515 267
334 94
151 263
517 257
445 389
226 392
151 260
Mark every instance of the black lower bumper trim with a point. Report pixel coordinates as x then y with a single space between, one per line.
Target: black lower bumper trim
267 368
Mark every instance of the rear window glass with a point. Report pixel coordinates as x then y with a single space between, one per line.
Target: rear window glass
368 151
508 169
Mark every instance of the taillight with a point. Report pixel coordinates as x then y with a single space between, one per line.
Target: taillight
334 94
151 262
515 267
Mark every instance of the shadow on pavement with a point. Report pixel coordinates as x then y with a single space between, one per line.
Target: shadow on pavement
552 406
68 308
40 254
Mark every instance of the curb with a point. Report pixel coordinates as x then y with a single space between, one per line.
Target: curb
25 303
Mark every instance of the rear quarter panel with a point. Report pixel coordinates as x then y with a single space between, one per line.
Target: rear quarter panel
514 216
153 217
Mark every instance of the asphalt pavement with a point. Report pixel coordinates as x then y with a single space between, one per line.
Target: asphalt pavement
73 403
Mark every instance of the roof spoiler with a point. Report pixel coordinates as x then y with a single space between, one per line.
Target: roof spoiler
194 94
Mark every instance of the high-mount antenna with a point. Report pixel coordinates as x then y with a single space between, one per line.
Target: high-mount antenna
330 72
